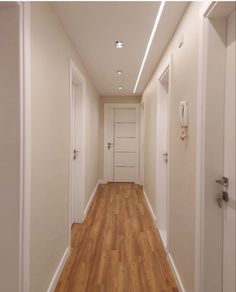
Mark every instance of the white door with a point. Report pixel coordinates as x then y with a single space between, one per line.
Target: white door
229 255
75 158
109 114
121 143
219 160
141 144
162 154
77 164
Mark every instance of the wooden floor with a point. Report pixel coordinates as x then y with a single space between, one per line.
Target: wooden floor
117 248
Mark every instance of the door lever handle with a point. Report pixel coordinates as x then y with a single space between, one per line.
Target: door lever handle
224 181
75 153
225 196
222 197
165 155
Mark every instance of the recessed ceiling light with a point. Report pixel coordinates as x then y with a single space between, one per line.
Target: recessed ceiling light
119 44
119 72
120 87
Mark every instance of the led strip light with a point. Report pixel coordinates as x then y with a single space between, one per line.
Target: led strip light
149 43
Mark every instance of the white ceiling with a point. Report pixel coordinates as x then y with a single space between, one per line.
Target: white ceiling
95 26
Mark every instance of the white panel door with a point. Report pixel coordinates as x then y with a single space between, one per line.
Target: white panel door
126 144
109 143
121 130
229 255
124 174
75 162
127 115
77 210
219 157
125 130
123 158
162 154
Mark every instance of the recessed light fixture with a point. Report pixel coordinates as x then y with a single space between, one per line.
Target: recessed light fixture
119 44
158 16
119 72
120 87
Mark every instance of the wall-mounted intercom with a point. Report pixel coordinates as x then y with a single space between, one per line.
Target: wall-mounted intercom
183 119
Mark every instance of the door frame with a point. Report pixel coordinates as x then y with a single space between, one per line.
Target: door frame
167 66
126 105
77 77
25 147
201 125
141 147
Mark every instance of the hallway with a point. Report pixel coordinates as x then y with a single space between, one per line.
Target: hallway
117 146
117 248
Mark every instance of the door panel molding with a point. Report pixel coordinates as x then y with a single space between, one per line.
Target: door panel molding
119 125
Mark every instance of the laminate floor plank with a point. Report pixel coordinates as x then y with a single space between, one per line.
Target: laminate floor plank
117 248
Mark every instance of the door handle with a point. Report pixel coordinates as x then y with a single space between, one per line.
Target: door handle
75 153
223 197
219 200
109 145
165 155
224 181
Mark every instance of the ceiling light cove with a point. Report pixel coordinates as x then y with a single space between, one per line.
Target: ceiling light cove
119 44
158 16
120 87
119 72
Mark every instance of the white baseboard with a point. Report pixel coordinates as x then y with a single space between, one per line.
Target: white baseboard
91 198
149 205
175 272
102 181
169 257
58 271
163 236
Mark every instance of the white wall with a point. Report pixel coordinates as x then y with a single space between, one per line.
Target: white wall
110 99
9 147
92 139
182 155
50 52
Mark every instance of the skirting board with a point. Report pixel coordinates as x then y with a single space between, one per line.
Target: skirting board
170 260
58 271
102 181
175 272
155 220
149 205
91 198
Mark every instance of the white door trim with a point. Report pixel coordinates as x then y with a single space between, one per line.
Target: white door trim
200 153
141 146
205 11
25 148
137 107
77 77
